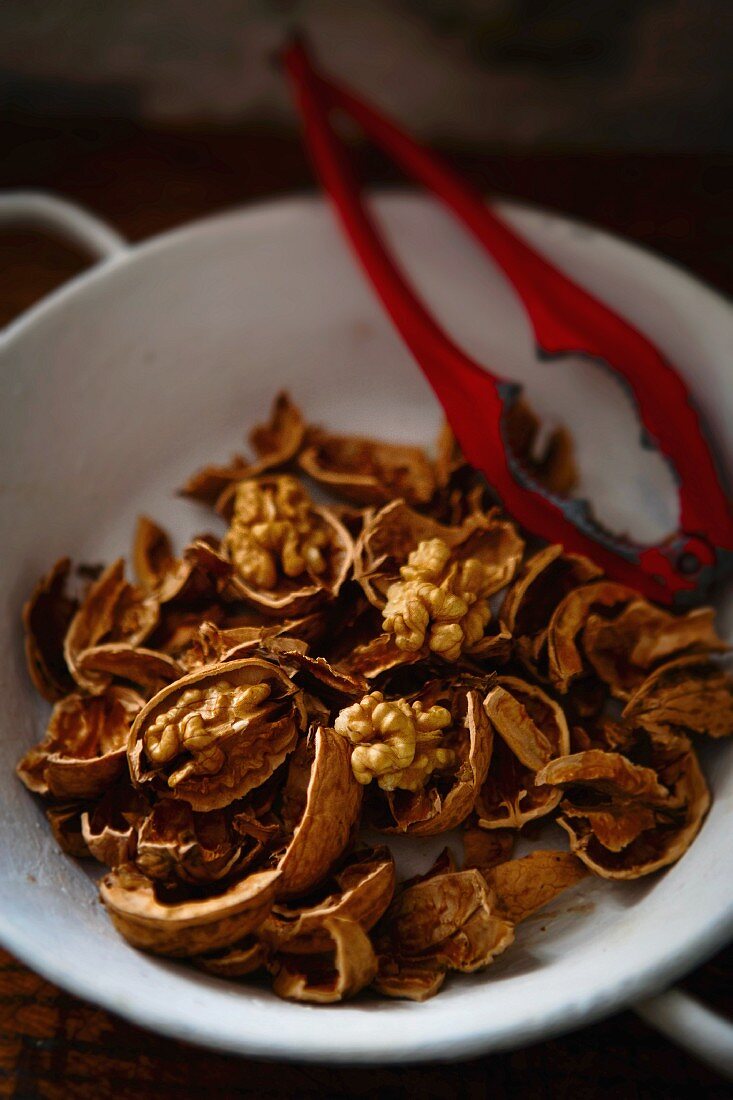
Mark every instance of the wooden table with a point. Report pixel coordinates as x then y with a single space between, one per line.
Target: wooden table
56 1046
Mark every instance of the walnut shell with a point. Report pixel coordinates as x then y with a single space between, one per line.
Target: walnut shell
247 756
565 660
346 969
276 443
147 919
657 842
83 752
623 649
368 471
322 801
444 921
531 729
46 618
113 610
360 891
524 885
688 695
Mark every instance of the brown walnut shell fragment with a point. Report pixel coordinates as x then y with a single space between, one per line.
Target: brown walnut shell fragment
445 797
166 923
321 806
446 921
46 618
201 575
688 695
543 581
484 849
342 972
216 734
531 730
360 891
647 843
608 772
237 961
148 668
176 843
368 471
623 649
566 662
288 555
525 885
113 610
276 444
83 751
66 826
109 830
152 553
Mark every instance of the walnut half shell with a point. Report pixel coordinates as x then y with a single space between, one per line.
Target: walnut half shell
148 919
216 734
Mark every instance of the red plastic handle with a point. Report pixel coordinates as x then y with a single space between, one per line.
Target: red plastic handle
565 318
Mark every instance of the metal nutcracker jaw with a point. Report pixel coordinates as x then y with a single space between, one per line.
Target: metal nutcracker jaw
566 319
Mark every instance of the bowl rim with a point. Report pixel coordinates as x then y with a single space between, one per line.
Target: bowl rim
484 1036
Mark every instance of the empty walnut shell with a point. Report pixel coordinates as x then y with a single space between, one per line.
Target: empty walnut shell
275 442
655 841
542 583
360 891
200 740
445 921
342 972
83 752
109 830
447 798
235 962
152 553
321 805
565 660
46 618
151 918
66 826
113 610
368 471
174 842
623 649
531 729
524 885
147 668
688 695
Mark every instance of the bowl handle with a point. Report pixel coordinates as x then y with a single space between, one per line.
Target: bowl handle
38 210
688 1022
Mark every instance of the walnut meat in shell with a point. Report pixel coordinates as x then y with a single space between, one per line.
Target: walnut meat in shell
216 734
288 554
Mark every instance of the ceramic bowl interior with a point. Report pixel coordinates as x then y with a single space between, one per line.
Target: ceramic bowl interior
155 363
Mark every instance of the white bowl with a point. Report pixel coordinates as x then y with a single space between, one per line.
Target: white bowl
157 361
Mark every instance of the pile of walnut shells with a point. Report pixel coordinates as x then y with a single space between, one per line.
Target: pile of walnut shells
225 726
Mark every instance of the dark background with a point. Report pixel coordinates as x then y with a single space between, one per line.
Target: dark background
152 113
